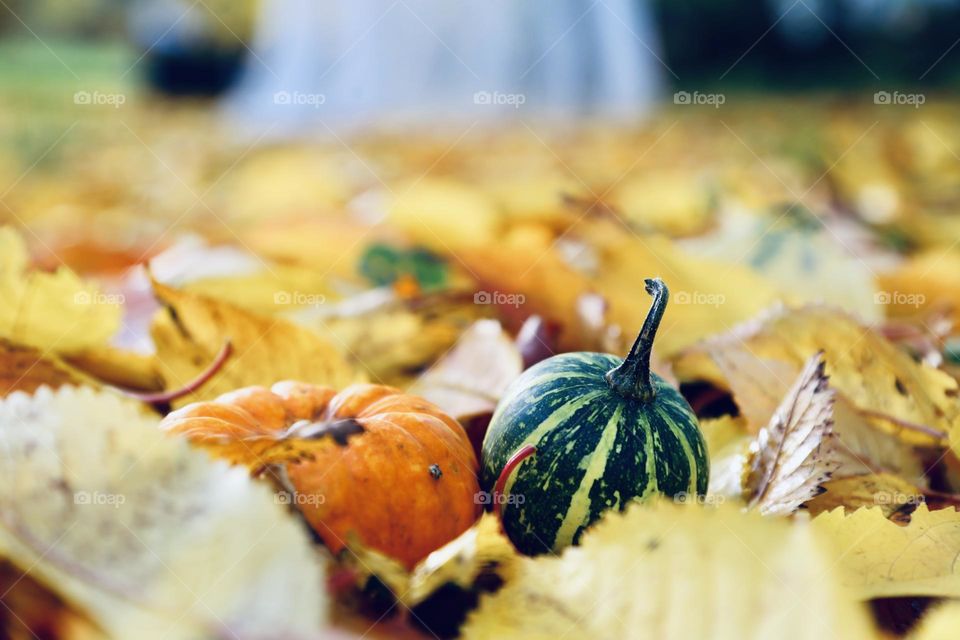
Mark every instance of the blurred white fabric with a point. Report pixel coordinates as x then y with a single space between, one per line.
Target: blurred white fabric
365 60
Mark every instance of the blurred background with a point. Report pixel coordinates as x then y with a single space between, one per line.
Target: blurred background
384 173
294 128
206 47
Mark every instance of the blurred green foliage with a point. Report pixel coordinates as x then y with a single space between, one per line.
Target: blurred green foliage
227 21
82 18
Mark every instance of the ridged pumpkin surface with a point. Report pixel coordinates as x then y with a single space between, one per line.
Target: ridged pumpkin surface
581 433
596 450
392 469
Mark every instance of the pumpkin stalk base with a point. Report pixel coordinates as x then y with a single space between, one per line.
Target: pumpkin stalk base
632 378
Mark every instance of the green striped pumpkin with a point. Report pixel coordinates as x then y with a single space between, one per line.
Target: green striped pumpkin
603 431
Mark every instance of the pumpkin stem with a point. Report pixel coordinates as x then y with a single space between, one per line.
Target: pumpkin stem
518 456
632 377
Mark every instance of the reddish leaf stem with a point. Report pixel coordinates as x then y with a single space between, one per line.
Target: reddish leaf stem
912 426
518 456
163 397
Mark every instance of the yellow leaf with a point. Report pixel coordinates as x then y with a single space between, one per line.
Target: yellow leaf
148 537
884 490
884 383
939 623
480 550
526 195
526 262
51 311
676 201
805 259
191 329
728 444
294 241
235 275
391 337
758 385
669 571
882 559
706 297
120 368
923 281
863 448
284 180
483 548
445 214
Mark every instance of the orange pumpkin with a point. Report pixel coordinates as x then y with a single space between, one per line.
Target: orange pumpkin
392 469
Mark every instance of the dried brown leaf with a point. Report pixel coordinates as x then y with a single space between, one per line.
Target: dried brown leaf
26 369
470 379
793 455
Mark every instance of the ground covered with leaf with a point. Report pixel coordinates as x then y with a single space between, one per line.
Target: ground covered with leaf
813 262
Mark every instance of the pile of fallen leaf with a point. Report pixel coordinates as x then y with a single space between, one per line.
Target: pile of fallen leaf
815 279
